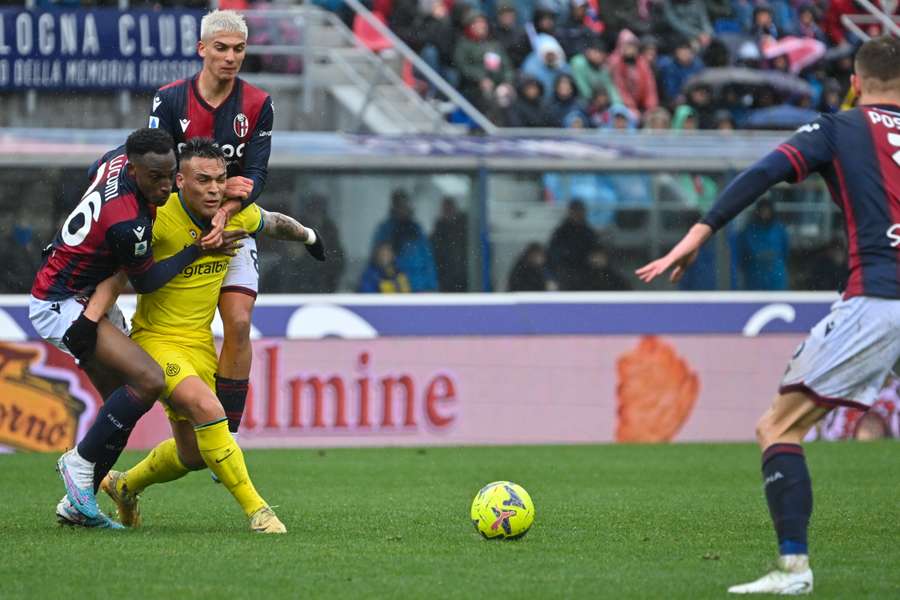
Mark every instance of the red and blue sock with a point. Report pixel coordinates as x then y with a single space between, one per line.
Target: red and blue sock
108 436
789 494
232 394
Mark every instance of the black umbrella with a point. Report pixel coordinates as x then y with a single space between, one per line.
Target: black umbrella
750 79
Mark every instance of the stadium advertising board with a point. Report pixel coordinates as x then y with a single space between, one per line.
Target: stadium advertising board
96 49
503 369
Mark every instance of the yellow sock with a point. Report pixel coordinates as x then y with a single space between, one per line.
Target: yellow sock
160 466
224 457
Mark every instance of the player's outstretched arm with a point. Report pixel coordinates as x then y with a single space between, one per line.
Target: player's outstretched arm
680 257
740 193
148 275
283 227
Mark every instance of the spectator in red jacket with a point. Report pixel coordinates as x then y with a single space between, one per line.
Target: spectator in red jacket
632 75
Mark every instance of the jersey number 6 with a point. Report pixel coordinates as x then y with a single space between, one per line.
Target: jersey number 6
79 222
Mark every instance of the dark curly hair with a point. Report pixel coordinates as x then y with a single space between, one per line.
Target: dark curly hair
147 140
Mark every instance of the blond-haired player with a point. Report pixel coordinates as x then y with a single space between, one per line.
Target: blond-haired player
216 103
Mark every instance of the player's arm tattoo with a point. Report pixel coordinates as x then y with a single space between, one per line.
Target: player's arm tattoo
283 227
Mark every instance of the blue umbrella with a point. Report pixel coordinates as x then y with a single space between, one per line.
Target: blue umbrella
783 116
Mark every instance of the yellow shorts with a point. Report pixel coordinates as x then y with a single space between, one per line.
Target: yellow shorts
179 358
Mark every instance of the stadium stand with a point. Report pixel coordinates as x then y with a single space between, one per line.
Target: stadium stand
619 105
760 61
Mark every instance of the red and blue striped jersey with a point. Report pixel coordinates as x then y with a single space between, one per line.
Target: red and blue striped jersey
857 153
110 229
241 124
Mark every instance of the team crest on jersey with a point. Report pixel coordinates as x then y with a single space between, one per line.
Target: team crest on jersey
140 249
241 125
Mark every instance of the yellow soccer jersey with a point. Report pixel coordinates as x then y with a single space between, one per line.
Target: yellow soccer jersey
186 305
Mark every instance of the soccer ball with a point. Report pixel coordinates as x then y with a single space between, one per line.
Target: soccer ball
502 510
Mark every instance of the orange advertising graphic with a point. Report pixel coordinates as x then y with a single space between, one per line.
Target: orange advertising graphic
656 392
38 410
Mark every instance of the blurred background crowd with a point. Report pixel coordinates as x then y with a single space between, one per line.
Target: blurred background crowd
627 64
607 67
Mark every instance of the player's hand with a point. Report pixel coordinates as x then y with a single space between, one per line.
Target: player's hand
317 248
228 209
680 257
229 245
81 337
238 187
214 237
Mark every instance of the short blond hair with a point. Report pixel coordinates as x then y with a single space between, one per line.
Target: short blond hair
222 21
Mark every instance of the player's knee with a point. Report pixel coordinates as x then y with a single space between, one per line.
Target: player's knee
149 383
200 408
765 431
237 327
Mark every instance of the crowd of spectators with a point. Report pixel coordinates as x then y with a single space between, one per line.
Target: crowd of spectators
575 259
636 63
578 258
404 259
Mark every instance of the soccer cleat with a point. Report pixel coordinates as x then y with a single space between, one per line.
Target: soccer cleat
793 577
265 521
78 476
67 514
127 509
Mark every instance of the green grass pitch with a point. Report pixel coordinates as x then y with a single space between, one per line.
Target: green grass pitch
667 521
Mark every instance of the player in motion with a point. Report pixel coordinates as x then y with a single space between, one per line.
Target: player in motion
216 103
848 354
173 324
110 229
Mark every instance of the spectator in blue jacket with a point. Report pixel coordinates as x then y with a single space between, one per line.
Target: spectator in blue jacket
546 63
761 250
409 243
676 69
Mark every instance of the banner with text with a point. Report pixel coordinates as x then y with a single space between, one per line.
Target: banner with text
96 49
443 391
472 369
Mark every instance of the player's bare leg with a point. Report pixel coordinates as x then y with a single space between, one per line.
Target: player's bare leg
104 380
84 467
788 492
